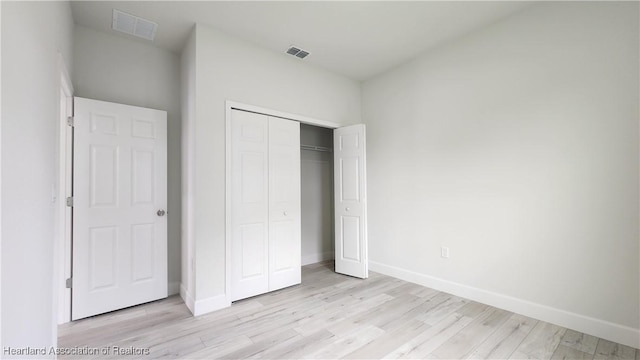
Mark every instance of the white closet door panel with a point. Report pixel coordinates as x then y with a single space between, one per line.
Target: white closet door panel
120 182
249 205
284 204
350 201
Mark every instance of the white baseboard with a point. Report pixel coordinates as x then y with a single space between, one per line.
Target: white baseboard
208 305
188 299
203 306
316 258
173 288
607 330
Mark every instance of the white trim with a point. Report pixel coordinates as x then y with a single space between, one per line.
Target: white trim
316 258
208 305
588 325
229 106
62 245
173 288
281 114
1 342
188 299
227 200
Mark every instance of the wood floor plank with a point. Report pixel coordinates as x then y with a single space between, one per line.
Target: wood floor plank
541 342
94 324
175 349
97 337
472 309
334 311
608 350
295 292
366 288
387 314
74 327
468 339
343 314
444 309
289 319
259 347
426 305
306 345
506 339
389 341
406 288
347 343
263 321
579 341
177 330
220 350
424 292
375 315
564 352
423 344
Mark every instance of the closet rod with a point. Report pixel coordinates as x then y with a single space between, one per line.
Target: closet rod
315 148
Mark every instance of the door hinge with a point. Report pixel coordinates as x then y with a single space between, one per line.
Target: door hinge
70 201
69 283
70 121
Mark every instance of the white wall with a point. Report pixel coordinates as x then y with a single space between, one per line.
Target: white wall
32 35
230 69
516 147
317 195
117 69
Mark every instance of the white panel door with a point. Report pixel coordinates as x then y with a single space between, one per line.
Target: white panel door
350 201
119 202
284 204
249 204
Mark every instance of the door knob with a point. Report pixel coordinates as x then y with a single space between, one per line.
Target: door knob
161 212
347 209
284 213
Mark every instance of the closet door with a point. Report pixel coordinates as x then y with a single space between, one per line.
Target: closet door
284 203
249 205
350 200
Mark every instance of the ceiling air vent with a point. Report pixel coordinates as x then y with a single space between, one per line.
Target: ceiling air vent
133 25
297 52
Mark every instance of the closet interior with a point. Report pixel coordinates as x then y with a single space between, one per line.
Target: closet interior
316 164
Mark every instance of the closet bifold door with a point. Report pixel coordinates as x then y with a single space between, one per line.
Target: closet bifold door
249 205
265 204
284 204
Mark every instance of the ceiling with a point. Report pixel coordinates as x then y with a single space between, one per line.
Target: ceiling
358 39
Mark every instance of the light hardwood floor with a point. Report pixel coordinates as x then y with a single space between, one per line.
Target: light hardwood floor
332 316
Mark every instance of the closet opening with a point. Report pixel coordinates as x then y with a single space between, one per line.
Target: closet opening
292 199
317 182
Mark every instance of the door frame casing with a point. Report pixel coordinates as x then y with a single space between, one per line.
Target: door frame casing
229 107
62 255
